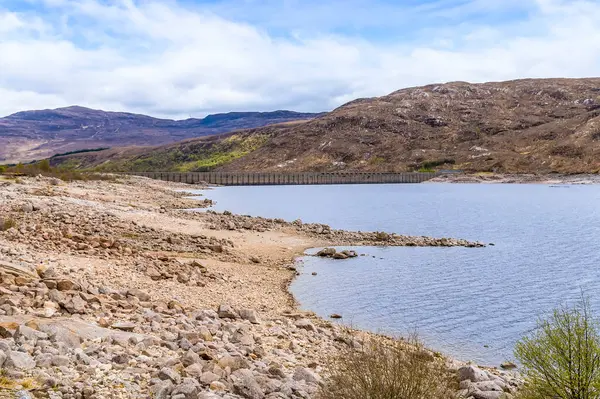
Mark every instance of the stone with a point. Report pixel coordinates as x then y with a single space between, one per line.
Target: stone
490 395
27 207
205 334
350 253
50 309
19 360
23 395
190 358
227 312
250 315
65 285
162 390
45 271
210 395
305 324
209 377
124 326
307 375
487 386
62 335
508 366
472 373
194 370
22 281
245 385
167 373
153 273
327 252
120 358
76 305
58 361
8 329
340 255
29 334
139 294
233 362
188 389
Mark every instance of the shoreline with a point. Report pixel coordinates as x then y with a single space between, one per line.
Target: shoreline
508 178
184 301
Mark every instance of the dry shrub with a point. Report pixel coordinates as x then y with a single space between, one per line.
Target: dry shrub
43 168
6 224
384 370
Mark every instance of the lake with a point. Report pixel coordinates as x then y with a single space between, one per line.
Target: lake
469 303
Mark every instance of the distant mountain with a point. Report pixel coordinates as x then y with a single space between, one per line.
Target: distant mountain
32 135
528 125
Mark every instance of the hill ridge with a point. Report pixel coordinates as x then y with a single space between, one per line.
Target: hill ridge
518 126
37 134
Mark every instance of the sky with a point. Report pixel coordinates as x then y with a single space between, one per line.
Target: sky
189 58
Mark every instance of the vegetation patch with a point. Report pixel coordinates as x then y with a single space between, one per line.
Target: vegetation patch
381 370
6 224
79 152
189 157
43 168
561 358
430 166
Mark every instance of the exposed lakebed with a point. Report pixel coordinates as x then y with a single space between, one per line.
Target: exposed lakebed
470 303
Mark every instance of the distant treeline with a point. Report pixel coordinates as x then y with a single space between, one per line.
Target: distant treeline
80 151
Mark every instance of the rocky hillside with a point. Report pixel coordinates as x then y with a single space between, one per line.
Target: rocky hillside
39 134
532 125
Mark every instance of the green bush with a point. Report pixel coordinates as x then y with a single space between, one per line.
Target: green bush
397 370
44 165
561 358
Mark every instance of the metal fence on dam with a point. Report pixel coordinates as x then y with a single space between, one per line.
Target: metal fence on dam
264 179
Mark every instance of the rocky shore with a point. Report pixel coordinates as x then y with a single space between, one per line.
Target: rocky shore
524 178
113 289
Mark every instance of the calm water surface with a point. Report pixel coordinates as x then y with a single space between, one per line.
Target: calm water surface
466 302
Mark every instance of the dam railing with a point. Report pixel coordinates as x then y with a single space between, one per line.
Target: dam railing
270 179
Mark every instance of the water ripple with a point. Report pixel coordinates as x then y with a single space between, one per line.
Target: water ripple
470 303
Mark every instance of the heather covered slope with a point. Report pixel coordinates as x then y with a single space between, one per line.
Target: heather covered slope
532 125
518 126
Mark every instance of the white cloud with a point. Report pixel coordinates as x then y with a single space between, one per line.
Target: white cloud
165 59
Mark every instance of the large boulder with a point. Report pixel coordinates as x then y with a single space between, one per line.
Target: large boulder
227 312
472 373
245 384
189 389
250 315
19 360
307 375
326 252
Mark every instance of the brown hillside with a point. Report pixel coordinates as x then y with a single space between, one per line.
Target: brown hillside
532 125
